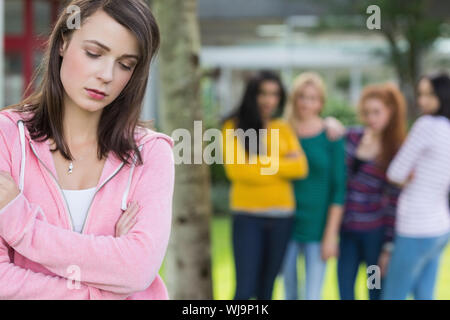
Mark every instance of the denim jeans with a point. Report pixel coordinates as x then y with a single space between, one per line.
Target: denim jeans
356 247
413 267
315 267
259 245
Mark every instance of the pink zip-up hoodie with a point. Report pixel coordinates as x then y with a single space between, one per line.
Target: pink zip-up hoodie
42 258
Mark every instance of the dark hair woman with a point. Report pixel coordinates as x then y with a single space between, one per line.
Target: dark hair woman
94 196
261 194
422 167
434 95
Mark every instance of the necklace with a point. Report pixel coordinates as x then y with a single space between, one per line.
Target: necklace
70 169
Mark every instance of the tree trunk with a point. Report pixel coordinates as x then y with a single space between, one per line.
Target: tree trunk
415 67
188 260
407 67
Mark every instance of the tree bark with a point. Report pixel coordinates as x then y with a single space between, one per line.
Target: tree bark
188 260
406 64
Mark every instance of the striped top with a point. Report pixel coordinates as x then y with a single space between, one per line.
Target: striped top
370 200
423 204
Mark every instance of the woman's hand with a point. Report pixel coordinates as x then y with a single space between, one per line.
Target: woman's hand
8 189
293 155
330 248
410 178
127 220
330 242
383 262
334 128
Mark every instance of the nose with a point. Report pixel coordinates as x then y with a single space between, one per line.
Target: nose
106 71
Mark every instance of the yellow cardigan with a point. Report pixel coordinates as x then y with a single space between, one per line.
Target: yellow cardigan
253 191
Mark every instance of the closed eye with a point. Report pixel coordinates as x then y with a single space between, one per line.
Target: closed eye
125 67
92 55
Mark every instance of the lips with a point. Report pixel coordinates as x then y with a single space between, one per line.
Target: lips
95 94
96 91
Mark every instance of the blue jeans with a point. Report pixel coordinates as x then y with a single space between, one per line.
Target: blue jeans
259 245
356 247
413 267
314 270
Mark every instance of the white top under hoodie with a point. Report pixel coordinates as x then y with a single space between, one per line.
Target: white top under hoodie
78 202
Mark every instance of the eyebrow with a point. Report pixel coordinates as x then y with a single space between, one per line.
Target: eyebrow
108 49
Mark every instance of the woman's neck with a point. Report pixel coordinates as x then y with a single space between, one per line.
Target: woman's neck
309 120
79 125
265 122
309 126
369 146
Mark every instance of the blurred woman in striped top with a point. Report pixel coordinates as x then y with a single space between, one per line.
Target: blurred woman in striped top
422 166
368 221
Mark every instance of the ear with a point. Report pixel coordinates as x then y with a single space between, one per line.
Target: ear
63 46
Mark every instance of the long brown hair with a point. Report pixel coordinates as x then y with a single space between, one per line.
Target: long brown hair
119 119
394 133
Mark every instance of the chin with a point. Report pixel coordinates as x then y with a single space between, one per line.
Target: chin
92 106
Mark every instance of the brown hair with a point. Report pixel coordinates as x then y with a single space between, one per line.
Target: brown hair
394 133
119 119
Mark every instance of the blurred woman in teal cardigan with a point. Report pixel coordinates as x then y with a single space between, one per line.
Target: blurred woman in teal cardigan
319 197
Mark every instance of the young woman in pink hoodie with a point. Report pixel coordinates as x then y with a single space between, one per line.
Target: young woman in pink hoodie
85 188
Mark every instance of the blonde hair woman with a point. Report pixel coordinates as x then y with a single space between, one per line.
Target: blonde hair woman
319 197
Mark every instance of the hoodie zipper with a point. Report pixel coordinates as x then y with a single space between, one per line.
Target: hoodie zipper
65 200
109 178
92 200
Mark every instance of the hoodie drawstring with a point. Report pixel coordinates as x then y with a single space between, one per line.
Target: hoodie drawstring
127 190
22 163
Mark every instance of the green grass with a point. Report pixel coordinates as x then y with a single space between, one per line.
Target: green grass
223 270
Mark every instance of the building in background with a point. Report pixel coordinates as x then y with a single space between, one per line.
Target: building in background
26 25
284 35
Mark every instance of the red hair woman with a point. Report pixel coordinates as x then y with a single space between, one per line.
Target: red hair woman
369 211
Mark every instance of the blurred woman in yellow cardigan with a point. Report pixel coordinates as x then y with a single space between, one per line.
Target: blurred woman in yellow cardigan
261 195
